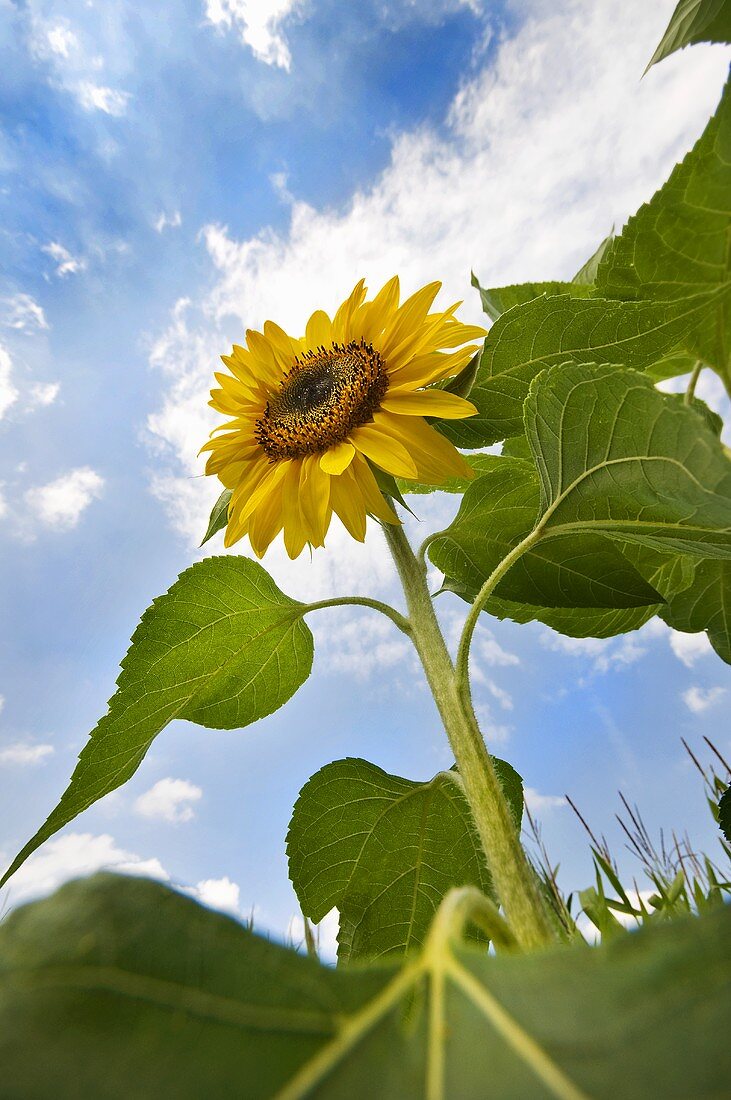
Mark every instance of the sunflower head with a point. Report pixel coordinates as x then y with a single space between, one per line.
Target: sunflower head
310 417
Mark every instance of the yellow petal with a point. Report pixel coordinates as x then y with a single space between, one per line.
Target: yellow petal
341 320
446 406
378 313
435 457
384 448
409 318
337 458
373 498
348 504
319 330
315 500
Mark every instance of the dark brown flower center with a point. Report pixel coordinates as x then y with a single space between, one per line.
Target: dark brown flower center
323 397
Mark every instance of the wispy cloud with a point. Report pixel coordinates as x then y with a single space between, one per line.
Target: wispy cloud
97 97
66 264
59 504
169 800
24 755
168 221
698 699
42 394
541 803
8 391
259 23
689 648
22 313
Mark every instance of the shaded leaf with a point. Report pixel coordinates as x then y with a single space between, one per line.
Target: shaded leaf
219 516
724 814
385 851
676 246
549 331
694 21
497 513
222 648
705 605
117 988
616 457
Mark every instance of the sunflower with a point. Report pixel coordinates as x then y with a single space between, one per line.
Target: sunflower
312 416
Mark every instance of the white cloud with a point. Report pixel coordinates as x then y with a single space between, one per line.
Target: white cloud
24 755
60 503
689 648
698 699
72 855
22 312
168 221
359 645
540 803
66 264
42 394
169 800
259 23
8 392
541 152
219 893
2 702
503 697
97 97
604 653
61 40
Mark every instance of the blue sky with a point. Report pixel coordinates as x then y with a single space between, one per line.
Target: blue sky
172 176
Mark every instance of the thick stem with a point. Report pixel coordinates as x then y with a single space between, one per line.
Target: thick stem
512 874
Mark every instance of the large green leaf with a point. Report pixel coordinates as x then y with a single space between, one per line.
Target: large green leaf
121 988
668 573
496 514
499 300
385 851
694 21
549 331
705 604
222 648
676 246
616 457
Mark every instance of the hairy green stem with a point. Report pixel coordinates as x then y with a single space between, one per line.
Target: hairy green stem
463 652
690 392
363 601
513 876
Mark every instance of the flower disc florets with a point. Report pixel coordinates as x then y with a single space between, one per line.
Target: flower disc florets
326 394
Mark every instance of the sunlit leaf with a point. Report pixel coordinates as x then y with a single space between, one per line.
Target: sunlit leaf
119 988
500 299
222 648
219 516
587 273
676 246
385 851
694 21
